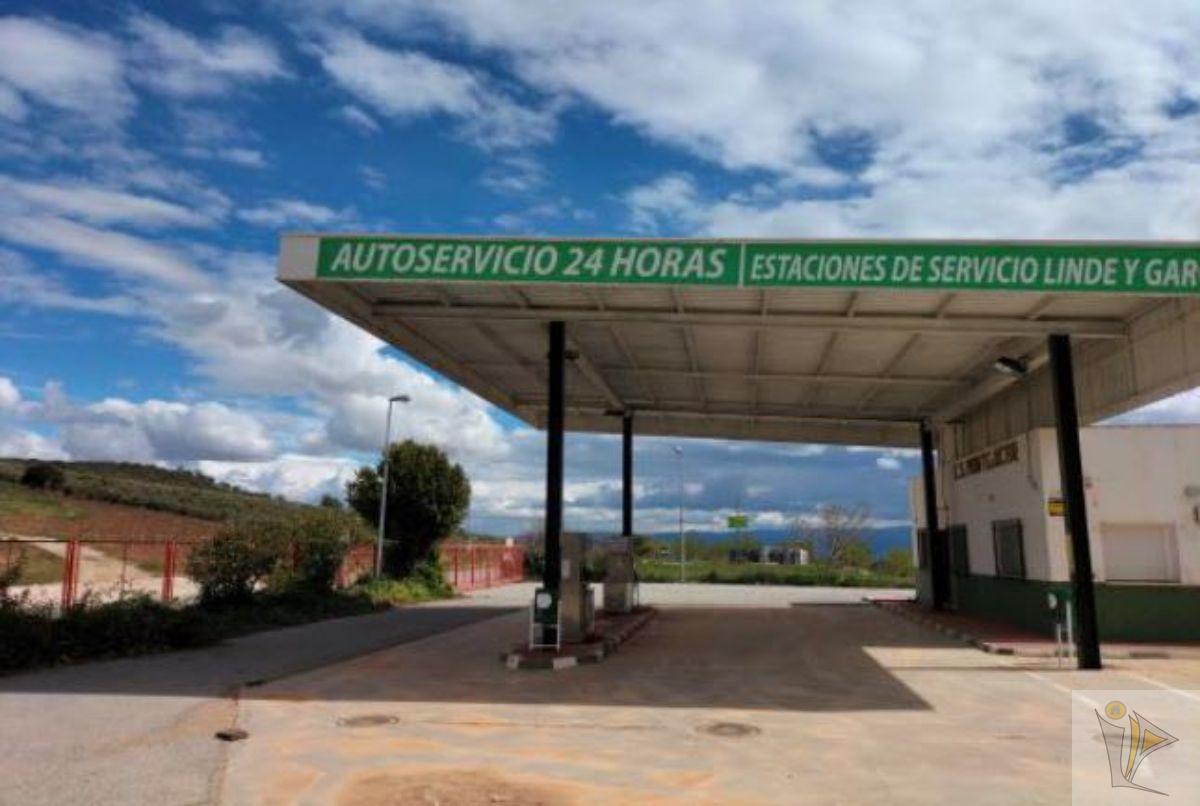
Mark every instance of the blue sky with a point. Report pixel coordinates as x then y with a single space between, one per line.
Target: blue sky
151 153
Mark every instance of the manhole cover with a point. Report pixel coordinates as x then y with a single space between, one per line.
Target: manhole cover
730 730
367 721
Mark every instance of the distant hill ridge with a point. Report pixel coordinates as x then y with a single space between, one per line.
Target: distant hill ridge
881 540
185 492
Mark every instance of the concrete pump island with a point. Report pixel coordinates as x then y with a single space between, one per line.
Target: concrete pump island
961 349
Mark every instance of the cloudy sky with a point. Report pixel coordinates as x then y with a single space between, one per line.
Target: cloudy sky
149 157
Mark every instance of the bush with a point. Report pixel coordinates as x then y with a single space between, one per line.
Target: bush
302 551
425 583
319 540
244 553
43 476
897 563
137 625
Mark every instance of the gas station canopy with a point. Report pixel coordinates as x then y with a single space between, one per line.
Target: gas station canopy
852 342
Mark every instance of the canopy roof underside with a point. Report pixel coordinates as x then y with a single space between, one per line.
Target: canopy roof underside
807 364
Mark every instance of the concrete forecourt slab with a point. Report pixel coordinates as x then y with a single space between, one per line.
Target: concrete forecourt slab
1160 269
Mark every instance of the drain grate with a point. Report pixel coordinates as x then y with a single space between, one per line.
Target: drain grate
729 730
367 721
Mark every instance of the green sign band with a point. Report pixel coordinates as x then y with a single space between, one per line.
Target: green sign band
1043 267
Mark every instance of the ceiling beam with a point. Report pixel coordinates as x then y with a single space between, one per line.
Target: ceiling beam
686 408
782 377
689 345
950 326
595 378
769 427
890 368
595 297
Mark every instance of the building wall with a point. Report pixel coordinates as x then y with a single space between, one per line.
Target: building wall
1133 475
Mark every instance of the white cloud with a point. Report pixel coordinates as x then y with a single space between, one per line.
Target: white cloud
11 106
124 255
25 444
407 83
99 205
358 118
22 285
153 430
10 396
514 174
776 88
250 337
182 65
63 68
294 476
243 157
295 212
670 200
1136 201
373 177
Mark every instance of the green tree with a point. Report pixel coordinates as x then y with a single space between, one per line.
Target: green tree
428 498
43 476
897 563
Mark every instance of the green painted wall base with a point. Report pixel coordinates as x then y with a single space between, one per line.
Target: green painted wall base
1124 612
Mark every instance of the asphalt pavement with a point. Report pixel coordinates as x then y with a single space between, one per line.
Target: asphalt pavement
141 730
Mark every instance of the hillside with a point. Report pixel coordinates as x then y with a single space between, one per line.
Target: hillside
182 492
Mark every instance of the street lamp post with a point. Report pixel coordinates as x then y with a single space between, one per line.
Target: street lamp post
682 541
383 492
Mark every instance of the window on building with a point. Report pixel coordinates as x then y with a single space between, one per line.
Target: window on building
1144 552
960 563
1009 545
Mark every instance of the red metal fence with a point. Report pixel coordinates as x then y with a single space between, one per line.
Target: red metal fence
469 566
61 572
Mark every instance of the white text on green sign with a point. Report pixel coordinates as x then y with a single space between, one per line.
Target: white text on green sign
1044 267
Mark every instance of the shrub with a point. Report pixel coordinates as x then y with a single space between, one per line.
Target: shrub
425 583
133 626
897 563
237 559
319 539
300 551
43 476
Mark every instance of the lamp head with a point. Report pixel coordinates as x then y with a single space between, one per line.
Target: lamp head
1014 367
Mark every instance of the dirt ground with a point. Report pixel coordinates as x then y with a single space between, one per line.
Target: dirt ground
77 518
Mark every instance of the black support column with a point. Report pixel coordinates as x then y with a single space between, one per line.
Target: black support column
554 457
627 474
939 557
1070 466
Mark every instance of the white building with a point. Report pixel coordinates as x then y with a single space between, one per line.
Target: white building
1002 512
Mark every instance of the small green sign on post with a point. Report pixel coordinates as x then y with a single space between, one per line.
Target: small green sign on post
738 521
1161 269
